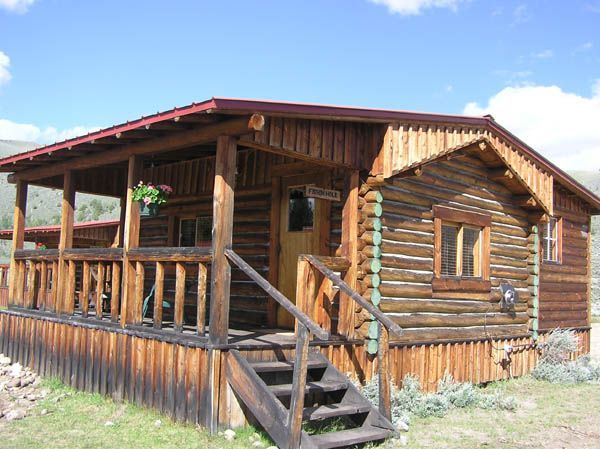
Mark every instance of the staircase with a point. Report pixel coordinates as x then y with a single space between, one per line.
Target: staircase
335 413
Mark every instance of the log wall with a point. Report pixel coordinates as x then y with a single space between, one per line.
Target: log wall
565 286
401 276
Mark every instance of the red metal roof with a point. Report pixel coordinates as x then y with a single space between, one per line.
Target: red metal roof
56 228
245 106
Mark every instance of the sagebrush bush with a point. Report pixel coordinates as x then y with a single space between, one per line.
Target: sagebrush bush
554 365
410 400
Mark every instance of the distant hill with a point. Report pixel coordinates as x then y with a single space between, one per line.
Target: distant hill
43 204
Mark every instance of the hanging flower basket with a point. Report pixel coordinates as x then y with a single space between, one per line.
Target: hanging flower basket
150 197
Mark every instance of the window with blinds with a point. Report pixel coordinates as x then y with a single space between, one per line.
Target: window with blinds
551 240
449 234
460 250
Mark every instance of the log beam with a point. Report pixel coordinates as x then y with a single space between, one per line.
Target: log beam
501 174
66 291
131 239
18 236
223 198
205 134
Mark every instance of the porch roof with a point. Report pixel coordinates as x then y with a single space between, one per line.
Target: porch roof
218 109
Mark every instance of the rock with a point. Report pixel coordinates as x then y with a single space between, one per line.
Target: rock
229 435
14 383
272 447
401 426
28 380
15 370
15 414
403 440
258 443
109 424
43 412
4 360
157 423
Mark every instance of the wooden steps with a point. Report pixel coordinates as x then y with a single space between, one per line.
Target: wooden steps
349 437
331 401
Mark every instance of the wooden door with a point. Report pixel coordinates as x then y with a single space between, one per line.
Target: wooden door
302 224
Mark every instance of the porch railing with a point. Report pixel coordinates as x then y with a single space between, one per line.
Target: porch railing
308 266
305 326
93 279
184 261
36 277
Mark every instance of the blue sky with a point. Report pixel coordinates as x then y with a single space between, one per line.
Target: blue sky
69 66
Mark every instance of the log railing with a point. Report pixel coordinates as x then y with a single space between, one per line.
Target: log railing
36 279
327 266
93 278
305 326
184 260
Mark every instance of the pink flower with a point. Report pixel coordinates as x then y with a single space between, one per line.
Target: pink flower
147 200
165 188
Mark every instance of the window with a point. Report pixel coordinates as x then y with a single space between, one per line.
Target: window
195 231
551 239
300 210
462 250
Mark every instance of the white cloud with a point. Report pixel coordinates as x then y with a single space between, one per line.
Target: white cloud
10 130
414 7
562 126
520 14
586 46
544 54
5 75
18 6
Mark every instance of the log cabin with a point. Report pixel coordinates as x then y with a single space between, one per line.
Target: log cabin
301 242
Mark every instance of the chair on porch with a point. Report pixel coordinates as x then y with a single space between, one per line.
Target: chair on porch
166 304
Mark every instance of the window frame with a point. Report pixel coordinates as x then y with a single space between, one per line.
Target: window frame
558 231
197 243
462 219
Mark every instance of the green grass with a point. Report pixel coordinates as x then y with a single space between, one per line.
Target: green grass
548 415
78 420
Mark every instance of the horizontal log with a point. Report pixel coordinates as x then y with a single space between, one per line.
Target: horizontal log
546 276
333 263
393 274
562 324
405 249
407 236
509 273
546 306
561 296
408 210
459 320
509 251
546 287
414 224
460 333
170 254
563 315
93 254
564 268
508 261
406 290
393 261
36 254
441 306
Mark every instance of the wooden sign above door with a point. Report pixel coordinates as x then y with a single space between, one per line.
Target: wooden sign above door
324 194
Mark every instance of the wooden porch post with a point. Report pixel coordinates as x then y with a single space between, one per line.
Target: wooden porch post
18 237
66 290
225 167
218 326
131 239
350 251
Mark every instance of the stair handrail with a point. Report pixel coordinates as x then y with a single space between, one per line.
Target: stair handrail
338 282
288 305
305 326
386 325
